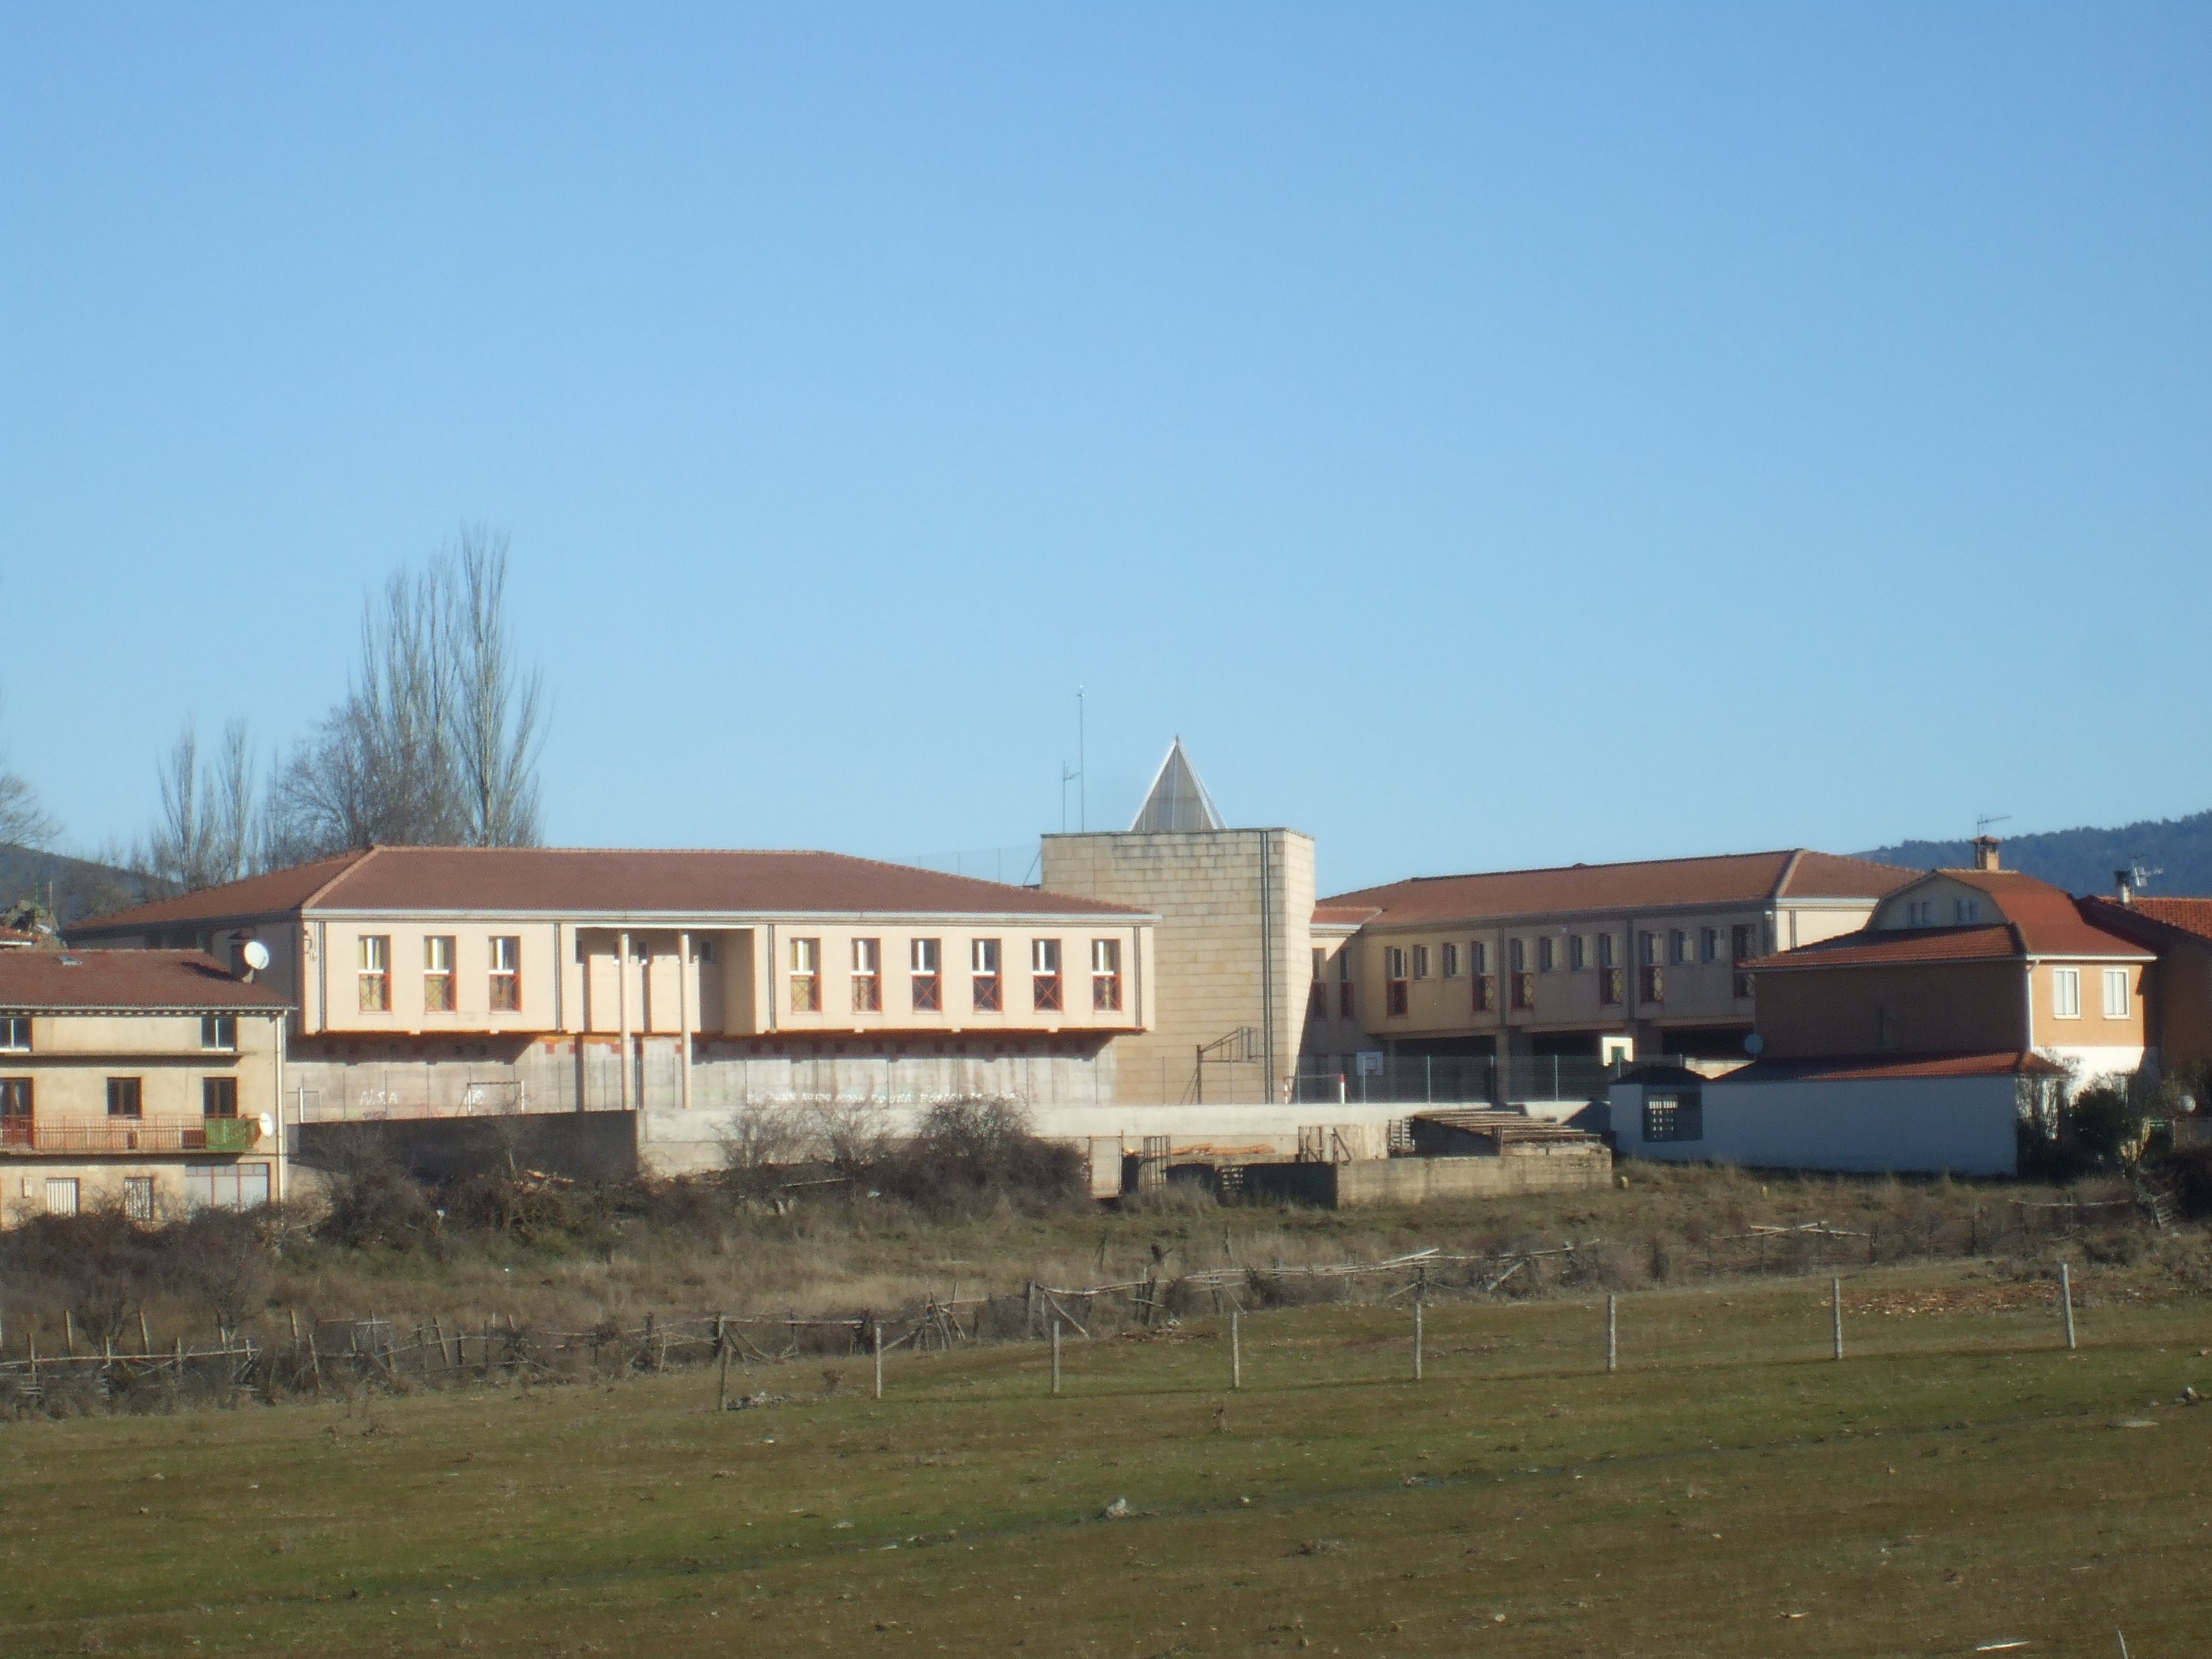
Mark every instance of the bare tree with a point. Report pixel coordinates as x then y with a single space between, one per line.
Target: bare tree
207 833
22 821
436 743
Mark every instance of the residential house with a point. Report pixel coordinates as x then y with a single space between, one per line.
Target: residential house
147 1080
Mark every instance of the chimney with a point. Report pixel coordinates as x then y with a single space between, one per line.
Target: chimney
2124 881
1985 852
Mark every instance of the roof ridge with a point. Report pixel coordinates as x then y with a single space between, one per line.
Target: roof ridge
350 865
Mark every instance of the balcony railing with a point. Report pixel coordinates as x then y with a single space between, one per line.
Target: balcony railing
131 1135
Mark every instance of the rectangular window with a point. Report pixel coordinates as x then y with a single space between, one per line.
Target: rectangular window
867 975
16 1111
1654 988
924 962
1477 958
1394 981
60 1194
226 1186
374 952
1612 985
438 974
1044 974
1484 997
983 973
1605 952
1920 913
1678 946
126 1097
138 1197
1344 1003
1517 956
1547 957
219 1033
218 1096
1451 962
2066 992
1677 1116
1106 978
1524 992
1420 962
1743 942
1709 945
1965 912
807 977
2116 994
506 976
14 1033
1577 953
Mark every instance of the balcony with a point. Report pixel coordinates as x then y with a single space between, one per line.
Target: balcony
128 1137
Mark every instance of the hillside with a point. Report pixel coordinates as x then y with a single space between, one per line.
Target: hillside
81 887
2082 860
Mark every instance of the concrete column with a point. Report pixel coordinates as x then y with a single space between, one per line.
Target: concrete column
622 1006
683 1008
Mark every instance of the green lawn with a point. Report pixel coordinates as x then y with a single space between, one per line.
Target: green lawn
1958 1480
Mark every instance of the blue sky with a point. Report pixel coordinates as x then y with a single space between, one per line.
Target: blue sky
1491 436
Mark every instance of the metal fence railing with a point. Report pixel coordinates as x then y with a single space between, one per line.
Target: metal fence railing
1469 1080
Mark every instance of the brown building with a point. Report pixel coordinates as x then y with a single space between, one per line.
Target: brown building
2177 1008
1981 962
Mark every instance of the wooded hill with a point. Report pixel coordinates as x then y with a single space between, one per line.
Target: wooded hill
2082 860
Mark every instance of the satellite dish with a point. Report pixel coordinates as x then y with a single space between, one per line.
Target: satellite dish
1752 1044
254 954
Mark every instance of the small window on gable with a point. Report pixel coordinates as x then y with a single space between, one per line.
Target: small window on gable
1965 912
219 1032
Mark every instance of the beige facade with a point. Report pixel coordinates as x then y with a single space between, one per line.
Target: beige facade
135 1098
1230 956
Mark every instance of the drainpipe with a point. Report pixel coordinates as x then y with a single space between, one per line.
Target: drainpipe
1266 969
622 1005
683 1008
283 1159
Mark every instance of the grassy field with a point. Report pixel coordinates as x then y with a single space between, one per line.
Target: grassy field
1959 1481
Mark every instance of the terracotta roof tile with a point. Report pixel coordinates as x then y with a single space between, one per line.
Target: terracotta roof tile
1848 1068
1745 878
612 881
2184 916
1991 943
143 981
2051 923
1343 915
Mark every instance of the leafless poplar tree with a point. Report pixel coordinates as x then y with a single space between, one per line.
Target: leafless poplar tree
23 822
208 830
436 744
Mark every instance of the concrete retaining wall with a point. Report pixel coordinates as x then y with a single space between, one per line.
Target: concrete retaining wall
1425 1179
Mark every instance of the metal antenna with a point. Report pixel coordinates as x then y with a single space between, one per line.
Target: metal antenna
1082 766
1982 824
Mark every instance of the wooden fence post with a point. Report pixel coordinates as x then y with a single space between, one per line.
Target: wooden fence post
1055 1356
879 1329
1236 1349
1417 1338
1611 1334
2066 1299
1836 1306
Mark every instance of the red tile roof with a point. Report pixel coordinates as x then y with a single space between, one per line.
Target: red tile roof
1883 1067
2184 916
1868 948
2050 921
1745 878
2040 920
133 981
600 881
1342 916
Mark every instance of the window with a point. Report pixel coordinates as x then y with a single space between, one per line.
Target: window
1106 976
1966 911
1420 962
16 1034
507 975
807 977
1678 945
226 1186
2066 992
1743 942
16 1111
1394 981
1647 946
1677 1116
1344 993
1477 958
1485 993
218 1096
1044 974
1605 952
1709 945
438 974
374 952
1318 992
867 975
924 960
1611 985
1546 955
1920 913
2116 994
219 1033
1451 962
138 1197
60 1194
983 966
1577 954
1654 988
1524 991
1517 956
126 1097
